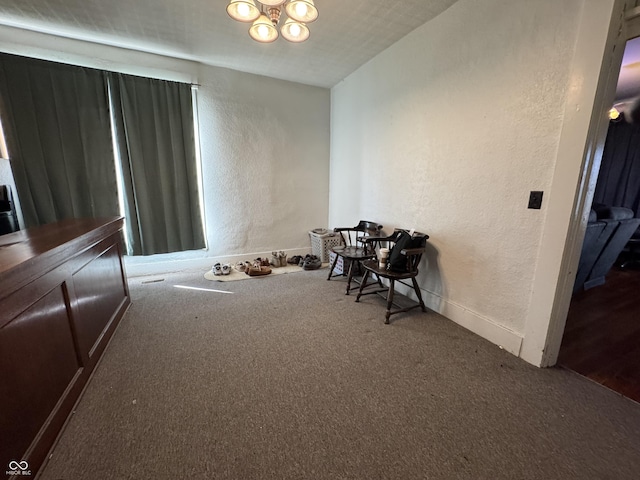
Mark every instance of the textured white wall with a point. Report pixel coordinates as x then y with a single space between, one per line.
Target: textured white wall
446 132
265 157
264 146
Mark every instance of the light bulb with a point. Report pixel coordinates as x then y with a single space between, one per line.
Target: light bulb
295 30
263 31
614 113
243 9
301 9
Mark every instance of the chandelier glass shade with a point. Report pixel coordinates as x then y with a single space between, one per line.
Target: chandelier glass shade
263 30
243 10
265 15
294 32
302 11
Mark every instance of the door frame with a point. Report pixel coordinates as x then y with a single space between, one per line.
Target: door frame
624 24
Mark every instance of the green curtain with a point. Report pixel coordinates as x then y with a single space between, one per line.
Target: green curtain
153 120
57 126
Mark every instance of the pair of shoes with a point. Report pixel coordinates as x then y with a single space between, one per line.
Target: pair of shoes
303 259
279 259
256 270
219 269
243 267
295 260
310 262
255 265
263 262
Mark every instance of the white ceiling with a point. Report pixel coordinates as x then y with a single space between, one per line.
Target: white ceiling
629 78
346 35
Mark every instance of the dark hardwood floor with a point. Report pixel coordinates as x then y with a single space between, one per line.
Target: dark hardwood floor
602 335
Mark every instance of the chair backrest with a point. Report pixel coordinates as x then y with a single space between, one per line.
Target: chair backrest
369 228
415 259
595 238
418 243
365 228
625 228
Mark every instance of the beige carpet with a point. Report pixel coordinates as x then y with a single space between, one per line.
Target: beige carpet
236 275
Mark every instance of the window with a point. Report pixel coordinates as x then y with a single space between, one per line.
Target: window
65 123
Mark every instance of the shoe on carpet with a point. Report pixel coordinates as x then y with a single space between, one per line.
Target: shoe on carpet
275 261
217 269
303 259
264 262
312 263
256 271
295 260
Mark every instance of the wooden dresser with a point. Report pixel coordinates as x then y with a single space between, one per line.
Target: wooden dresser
63 291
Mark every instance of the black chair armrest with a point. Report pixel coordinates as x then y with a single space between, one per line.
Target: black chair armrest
370 239
412 251
378 239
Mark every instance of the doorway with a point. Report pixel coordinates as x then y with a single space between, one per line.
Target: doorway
601 339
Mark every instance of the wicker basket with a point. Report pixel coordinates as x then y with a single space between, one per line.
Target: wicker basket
321 244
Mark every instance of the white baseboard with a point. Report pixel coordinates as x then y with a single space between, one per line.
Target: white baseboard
484 327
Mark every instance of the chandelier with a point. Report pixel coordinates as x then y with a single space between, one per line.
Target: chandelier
264 23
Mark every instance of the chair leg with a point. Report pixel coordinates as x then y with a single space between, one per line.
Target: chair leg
333 265
377 280
418 293
389 300
363 284
350 277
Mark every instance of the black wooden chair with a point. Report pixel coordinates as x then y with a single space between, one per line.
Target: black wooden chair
353 248
404 258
